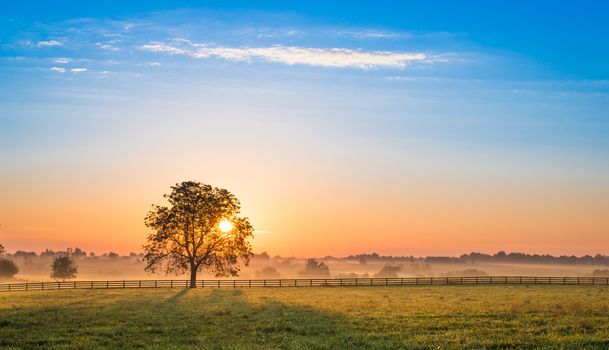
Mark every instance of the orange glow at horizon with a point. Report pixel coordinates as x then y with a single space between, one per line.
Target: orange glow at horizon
329 217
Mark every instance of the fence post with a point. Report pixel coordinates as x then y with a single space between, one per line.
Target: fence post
218 283
249 283
91 284
234 283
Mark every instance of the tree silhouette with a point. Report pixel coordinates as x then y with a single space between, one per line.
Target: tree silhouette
63 268
315 268
8 269
2 250
200 230
388 271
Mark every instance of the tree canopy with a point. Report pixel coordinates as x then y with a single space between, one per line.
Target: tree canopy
2 250
200 230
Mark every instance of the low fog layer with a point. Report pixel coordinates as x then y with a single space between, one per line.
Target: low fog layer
111 266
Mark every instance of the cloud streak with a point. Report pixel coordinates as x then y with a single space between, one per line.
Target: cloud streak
292 55
49 43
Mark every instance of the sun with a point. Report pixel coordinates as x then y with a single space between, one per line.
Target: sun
225 225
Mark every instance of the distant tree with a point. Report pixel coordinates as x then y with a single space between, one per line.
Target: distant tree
48 254
315 268
388 271
200 230
262 256
2 250
63 268
268 272
8 269
79 253
24 254
113 255
600 273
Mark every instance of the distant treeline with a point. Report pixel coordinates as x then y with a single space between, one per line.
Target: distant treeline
72 252
500 257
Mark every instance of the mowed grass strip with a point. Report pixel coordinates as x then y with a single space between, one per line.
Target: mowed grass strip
445 317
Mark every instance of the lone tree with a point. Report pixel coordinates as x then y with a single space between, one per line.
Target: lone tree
63 268
315 268
2 250
8 269
200 230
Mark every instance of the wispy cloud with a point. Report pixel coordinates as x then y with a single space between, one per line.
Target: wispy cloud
62 60
375 34
107 47
292 55
49 43
58 69
78 70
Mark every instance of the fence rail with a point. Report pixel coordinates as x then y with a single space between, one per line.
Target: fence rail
305 282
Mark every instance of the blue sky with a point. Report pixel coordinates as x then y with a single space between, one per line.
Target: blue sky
376 102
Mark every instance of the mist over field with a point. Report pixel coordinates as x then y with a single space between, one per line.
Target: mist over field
111 266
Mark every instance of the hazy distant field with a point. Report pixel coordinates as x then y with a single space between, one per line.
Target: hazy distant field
319 318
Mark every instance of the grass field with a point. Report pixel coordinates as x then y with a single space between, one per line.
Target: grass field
441 317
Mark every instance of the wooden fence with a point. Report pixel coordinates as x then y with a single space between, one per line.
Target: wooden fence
306 282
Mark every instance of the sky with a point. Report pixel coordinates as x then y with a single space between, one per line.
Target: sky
404 128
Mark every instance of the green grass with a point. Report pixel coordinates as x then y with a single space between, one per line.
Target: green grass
442 317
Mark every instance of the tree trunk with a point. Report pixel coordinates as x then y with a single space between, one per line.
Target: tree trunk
193 277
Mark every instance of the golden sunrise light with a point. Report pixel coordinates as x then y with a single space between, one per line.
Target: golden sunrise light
225 226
